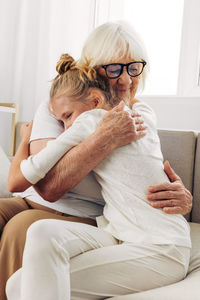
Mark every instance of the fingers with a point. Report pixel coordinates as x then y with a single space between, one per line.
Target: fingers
170 172
140 134
138 121
172 197
165 186
172 206
173 210
140 128
165 203
119 107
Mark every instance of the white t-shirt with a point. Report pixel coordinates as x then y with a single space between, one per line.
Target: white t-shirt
124 176
85 200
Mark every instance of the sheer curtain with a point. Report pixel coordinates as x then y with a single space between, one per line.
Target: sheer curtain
33 35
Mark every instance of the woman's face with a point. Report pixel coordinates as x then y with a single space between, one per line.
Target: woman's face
125 86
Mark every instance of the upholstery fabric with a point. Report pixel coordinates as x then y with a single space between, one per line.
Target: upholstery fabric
185 289
4 169
196 189
178 147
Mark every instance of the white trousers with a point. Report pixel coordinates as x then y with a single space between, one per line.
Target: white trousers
54 269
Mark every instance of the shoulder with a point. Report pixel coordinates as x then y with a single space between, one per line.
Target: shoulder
133 101
142 106
146 111
45 125
94 114
88 120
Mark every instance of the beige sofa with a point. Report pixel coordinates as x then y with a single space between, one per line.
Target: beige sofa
182 149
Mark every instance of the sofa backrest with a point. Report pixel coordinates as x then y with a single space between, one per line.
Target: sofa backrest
179 148
196 188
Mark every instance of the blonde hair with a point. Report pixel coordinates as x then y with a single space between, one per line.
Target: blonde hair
77 81
111 42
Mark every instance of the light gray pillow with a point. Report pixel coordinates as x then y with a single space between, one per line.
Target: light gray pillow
4 169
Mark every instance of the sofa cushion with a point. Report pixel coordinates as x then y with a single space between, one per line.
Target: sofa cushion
185 289
4 169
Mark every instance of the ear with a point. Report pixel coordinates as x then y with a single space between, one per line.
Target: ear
97 98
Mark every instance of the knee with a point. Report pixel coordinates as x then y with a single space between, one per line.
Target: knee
43 240
20 223
40 235
16 227
40 230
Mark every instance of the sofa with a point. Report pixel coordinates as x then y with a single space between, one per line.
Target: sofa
182 149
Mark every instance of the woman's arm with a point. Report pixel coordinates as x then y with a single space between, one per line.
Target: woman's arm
16 181
115 130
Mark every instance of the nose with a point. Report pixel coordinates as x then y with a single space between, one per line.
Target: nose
124 78
66 125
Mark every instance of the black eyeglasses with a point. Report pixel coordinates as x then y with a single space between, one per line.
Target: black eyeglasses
133 69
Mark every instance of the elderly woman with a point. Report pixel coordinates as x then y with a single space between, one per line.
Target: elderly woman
113 42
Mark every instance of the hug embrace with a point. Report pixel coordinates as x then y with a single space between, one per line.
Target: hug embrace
95 133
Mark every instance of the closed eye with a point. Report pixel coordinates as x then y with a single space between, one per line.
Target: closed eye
61 123
67 116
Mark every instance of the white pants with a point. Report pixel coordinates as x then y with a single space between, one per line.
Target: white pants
109 269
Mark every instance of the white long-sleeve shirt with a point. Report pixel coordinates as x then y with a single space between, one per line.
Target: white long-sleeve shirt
124 176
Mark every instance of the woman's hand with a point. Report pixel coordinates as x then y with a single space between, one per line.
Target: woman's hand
120 128
172 197
25 131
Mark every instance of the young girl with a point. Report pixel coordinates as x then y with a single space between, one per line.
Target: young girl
159 242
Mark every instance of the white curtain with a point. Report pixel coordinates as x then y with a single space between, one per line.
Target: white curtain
34 33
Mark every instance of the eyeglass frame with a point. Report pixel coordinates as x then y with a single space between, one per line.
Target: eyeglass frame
122 68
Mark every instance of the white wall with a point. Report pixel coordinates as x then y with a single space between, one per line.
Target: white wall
175 112
34 33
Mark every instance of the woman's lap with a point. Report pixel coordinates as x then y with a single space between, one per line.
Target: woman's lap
9 207
17 216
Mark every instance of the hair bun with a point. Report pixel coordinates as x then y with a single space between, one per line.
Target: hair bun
64 63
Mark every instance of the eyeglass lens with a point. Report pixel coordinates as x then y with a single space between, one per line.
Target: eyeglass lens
133 69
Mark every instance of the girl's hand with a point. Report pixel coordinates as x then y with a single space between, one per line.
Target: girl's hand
25 131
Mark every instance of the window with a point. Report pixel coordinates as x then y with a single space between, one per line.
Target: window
189 72
159 23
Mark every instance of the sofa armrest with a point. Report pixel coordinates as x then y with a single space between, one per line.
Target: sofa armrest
4 169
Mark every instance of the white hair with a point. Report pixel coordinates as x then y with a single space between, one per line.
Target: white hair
111 42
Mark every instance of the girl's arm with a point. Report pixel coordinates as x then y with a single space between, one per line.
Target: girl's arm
16 181
115 130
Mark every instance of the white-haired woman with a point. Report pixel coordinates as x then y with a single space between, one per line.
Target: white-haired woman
106 271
